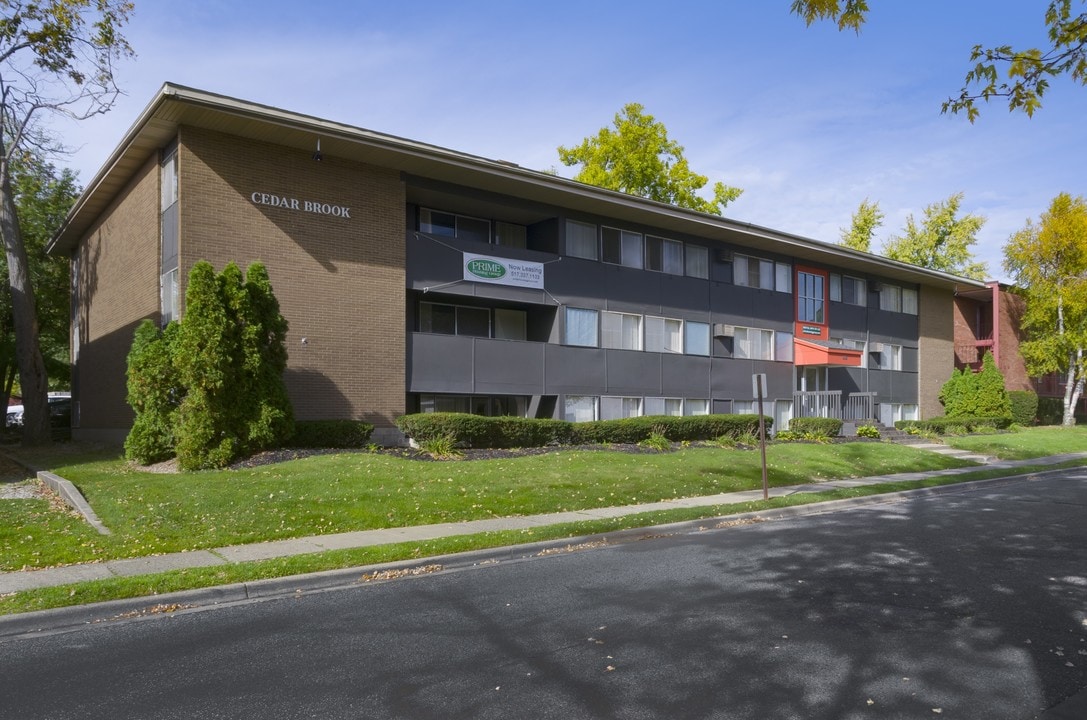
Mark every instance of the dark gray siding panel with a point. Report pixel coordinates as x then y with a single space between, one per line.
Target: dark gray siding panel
629 290
892 327
684 297
685 376
847 318
507 367
440 363
732 378
574 370
632 373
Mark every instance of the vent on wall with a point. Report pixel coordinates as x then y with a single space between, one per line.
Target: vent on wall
722 330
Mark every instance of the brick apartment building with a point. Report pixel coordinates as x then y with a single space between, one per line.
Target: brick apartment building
416 278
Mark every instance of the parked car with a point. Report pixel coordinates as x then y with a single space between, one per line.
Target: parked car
60 411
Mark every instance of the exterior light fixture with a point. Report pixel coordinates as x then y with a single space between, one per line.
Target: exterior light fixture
317 153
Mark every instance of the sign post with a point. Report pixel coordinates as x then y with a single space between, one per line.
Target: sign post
758 389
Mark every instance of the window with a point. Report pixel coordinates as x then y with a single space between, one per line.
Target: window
743 407
783 346
696 340
753 344
758 273
492 406
909 301
663 255
621 247
509 324
890 357
698 261
581 240
454 320
663 406
851 290
510 235
696 407
581 327
663 335
169 297
580 408
452 225
616 408
809 300
621 331
890 298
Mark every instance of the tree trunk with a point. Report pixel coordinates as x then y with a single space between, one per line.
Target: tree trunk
1073 389
28 356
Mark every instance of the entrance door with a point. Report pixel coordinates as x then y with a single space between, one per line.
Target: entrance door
811 379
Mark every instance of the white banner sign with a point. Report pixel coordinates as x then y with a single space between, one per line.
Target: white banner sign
503 271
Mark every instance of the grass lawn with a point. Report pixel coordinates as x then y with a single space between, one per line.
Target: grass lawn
152 513
1029 443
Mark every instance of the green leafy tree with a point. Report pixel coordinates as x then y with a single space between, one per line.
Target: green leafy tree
42 199
1021 75
941 241
866 220
1048 262
635 156
56 56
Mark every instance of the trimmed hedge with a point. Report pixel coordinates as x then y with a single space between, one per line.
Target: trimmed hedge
1024 406
1050 410
825 427
945 425
507 432
330 434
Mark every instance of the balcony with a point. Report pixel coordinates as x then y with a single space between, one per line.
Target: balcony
969 354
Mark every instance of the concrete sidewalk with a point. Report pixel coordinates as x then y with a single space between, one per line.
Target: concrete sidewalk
30 579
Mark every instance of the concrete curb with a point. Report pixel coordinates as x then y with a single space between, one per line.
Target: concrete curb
71 495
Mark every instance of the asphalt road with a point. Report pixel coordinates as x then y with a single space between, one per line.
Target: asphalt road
961 606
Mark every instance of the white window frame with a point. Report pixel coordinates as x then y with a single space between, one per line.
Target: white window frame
663 406
575 400
631 247
696 261
566 336
696 406
890 298
675 267
890 358
622 336
659 338
587 247
627 407
743 336
909 301
690 328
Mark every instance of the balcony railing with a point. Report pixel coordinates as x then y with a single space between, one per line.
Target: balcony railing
831 404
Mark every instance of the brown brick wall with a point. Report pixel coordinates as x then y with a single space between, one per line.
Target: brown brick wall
118 285
936 348
340 282
1011 361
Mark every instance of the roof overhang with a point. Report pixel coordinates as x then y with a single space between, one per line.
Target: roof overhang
807 352
175 106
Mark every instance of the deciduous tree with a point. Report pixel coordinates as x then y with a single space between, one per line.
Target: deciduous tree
1021 75
863 227
941 241
1048 261
636 156
56 56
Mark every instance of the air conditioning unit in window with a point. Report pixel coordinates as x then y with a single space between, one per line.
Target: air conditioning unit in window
722 330
875 347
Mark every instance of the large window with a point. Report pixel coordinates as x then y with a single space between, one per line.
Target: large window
696 406
621 331
810 298
698 261
616 408
454 319
753 344
696 340
581 327
890 357
909 301
169 230
663 255
621 247
581 240
491 406
851 290
581 408
890 298
446 224
663 335
663 406
783 347
758 273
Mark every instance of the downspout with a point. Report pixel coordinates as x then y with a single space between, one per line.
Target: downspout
996 325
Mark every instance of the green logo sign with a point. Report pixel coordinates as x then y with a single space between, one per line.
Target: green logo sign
486 269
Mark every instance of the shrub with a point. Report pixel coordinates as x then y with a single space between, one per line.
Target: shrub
656 441
992 397
154 392
1024 406
959 394
441 447
825 427
505 432
330 434
1050 411
950 426
868 431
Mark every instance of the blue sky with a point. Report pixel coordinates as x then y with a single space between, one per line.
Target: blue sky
809 121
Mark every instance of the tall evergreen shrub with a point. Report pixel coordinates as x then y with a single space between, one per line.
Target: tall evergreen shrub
959 394
992 396
154 392
271 418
